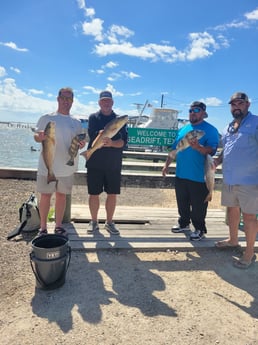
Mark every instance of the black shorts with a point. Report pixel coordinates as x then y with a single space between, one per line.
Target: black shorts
103 180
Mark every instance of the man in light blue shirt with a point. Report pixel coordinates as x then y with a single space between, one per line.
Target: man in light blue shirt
240 177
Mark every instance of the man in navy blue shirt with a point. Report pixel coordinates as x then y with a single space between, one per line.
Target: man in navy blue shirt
105 165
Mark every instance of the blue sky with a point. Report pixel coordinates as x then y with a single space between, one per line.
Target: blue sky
140 50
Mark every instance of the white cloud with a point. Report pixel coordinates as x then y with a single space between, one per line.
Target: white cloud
212 101
15 99
97 91
94 28
91 89
114 77
111 64
13 45
15 69
233 25
89 12
202 45
125 48
118 33
130 75
252 15
98 71
2 71
24 106
36 92
115 40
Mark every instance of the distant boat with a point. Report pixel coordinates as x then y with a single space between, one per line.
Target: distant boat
162 118
33 148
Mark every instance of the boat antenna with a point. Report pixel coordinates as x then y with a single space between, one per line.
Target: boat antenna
140 114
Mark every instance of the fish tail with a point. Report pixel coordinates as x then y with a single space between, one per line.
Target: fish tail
83 154
51 178
87 154
70 162
208 197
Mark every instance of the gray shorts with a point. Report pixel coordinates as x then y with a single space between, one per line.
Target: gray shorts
243 196
64 185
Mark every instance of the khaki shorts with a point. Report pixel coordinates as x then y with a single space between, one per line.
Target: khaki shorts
243 196
63 185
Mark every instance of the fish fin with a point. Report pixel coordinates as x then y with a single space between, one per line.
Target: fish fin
97 137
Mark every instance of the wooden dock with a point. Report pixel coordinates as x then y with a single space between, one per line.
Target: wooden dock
142 229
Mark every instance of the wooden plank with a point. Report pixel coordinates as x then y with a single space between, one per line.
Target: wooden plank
153 233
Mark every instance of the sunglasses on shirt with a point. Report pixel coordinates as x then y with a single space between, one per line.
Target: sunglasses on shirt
195 110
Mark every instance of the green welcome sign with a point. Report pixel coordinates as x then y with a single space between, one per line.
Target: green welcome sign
151 136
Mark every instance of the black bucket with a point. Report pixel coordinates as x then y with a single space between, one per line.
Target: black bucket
49 259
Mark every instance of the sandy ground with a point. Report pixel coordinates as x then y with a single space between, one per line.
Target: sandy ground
125 297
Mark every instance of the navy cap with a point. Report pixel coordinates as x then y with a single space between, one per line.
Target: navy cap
200 105
105 94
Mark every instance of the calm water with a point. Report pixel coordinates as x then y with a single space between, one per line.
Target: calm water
15 149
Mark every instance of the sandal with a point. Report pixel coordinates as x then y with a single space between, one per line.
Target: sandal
42 232
242 264
226 245
61 231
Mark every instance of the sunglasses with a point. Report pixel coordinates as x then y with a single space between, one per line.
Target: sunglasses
195 110
64 98
233 127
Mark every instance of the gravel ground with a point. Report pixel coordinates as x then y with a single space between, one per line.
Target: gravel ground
124 297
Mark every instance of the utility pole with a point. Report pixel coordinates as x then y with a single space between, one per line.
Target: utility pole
162 99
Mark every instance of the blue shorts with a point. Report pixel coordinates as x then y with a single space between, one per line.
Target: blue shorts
99 180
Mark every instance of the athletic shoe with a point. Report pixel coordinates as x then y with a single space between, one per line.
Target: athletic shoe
197 235
92 227
111 228
177 229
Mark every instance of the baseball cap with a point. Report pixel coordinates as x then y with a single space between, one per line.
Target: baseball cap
239 95
200 105
105 94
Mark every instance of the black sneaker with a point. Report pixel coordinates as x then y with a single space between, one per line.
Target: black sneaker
111 228
92 227
177 229
197 235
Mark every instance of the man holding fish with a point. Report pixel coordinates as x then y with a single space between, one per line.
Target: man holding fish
108 137
57 161
192 147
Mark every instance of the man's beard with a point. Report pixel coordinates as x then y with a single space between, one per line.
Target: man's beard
194 120
238 114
